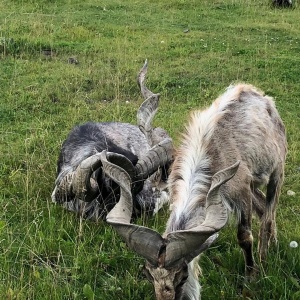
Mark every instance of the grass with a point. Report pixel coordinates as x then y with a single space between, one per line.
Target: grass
195 49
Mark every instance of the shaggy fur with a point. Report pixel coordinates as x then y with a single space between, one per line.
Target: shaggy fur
242 124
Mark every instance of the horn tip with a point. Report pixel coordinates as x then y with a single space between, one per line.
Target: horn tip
145 66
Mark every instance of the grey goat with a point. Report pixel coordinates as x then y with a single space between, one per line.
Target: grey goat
145 153
228 151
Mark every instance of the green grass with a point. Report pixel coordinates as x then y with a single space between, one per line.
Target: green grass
48 253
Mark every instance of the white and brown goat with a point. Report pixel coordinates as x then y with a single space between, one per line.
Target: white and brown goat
227 153
144 152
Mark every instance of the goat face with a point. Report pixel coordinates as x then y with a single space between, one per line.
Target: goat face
168 283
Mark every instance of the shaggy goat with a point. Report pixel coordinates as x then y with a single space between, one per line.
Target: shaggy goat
240 136
144 151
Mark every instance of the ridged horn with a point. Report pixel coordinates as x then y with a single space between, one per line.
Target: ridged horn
158 156
121 161
81 182
149 107
78 183
144 241
140 80
184 245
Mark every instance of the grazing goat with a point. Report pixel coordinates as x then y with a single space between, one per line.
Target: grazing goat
144 151
227 152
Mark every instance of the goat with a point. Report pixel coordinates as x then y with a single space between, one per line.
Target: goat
282 3
228 151
147 152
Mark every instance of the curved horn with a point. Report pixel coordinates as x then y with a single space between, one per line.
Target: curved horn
145 116
156 157
81 181
144 241
121 161
141 78
77 183
184 245
149 107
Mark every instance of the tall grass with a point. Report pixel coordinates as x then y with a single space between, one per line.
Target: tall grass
195 49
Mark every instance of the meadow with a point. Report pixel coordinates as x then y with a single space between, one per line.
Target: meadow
66 62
